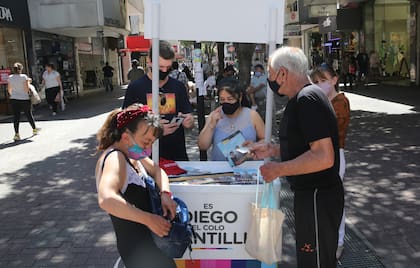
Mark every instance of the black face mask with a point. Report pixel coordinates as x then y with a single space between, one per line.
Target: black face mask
274 86
163 75
230 108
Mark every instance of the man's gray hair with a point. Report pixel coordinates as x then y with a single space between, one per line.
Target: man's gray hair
291 58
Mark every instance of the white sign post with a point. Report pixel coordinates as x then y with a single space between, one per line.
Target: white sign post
155 66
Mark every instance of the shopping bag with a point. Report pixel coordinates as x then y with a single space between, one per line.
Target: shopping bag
59 98
33 94
62 102
264 238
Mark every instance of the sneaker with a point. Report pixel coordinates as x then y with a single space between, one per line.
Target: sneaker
54 113
339 252
254 107
16 137
35 131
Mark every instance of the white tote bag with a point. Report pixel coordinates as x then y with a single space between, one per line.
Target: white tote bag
33 94
264 238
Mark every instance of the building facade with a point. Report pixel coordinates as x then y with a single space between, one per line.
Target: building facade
333 28
15 44
78 37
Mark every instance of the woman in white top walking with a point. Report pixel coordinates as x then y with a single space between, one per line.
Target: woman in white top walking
18 88
52 81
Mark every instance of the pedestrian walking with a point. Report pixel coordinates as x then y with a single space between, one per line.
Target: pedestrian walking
135 72
178 75
126 139
18 89
326 78
309 153
375 65
347 70
257 90
362 66
108 74
51 80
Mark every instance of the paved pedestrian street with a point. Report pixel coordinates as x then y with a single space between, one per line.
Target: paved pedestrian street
49 216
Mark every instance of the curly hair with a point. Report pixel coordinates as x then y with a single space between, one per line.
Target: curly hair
110 133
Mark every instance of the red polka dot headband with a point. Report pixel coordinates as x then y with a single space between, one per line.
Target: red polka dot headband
126 116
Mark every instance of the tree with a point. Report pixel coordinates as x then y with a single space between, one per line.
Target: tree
221 56
244 52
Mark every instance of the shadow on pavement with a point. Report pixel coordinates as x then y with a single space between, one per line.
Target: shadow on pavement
382 183
8 144
51 218
78 108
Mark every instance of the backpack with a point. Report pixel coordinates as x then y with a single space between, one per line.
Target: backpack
180 236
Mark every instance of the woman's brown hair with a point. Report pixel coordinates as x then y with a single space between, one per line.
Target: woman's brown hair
110 133
320 71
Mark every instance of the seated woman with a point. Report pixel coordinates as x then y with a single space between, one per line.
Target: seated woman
227 119
125 139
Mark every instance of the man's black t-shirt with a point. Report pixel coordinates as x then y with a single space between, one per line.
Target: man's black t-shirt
108 71
172 100
363 61
309 117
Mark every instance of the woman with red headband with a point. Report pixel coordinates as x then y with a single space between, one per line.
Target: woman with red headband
125 139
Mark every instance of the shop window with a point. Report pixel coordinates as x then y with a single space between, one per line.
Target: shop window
11 47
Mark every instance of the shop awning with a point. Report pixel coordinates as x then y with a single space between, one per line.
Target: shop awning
136 44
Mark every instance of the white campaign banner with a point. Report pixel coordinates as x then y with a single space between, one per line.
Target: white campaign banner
220 216
245 21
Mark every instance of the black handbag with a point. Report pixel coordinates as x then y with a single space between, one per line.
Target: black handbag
179 238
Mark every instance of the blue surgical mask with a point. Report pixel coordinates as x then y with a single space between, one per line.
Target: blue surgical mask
257 74
135 152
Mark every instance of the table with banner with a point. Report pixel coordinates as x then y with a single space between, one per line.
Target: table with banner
220 214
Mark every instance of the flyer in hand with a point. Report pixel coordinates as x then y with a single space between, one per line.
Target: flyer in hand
232 149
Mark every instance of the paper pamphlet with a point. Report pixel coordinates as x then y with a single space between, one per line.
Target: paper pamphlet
232 149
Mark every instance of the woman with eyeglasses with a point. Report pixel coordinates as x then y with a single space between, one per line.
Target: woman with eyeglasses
125 140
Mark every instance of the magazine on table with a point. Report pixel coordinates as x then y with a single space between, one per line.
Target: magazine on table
232 149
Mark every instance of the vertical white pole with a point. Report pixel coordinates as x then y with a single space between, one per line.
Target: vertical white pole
272 31
155 68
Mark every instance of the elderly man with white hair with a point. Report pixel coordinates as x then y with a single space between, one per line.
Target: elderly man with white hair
310 161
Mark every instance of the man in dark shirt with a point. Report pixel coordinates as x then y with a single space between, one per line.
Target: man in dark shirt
362 65
135 72
108 74
310 159
173 101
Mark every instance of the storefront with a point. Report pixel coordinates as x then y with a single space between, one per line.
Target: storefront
91 59
392 33
15 44
137 47
58 50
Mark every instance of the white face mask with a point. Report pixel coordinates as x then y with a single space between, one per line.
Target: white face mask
325 86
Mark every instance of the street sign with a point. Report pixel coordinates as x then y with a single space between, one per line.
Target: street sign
323 10
4 76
